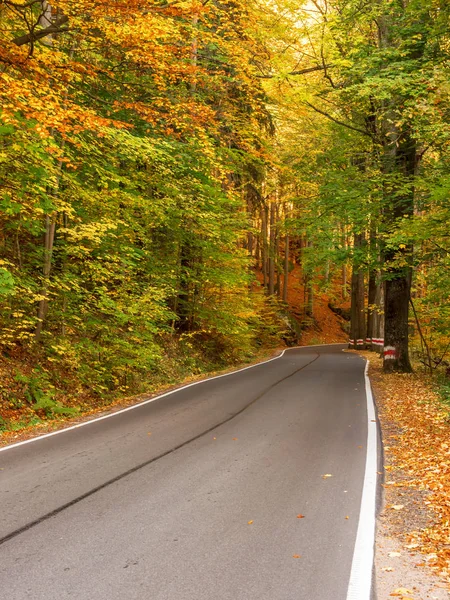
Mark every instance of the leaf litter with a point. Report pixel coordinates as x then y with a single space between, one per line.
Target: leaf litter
416 433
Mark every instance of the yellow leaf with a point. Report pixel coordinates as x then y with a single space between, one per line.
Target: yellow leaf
296 556
326 476
398 506
249 522
401 592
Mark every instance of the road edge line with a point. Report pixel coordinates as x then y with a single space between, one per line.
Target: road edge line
360 583
144 402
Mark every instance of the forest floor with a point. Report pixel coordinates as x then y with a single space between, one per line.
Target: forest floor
325 327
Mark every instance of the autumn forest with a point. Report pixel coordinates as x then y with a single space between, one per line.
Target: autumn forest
167 168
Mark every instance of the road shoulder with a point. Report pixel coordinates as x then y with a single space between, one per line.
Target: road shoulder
410 560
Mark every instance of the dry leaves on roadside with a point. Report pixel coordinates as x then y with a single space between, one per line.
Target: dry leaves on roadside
420 450
402 593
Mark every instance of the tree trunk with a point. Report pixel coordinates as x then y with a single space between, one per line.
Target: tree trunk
272 250
371 310
400 161
376 317
264 262
309 290
258 251
398 279
50 227
309 309
357 311
344 267
286 268
50 223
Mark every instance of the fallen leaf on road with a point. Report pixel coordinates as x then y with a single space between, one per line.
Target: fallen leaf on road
249 522
388 569
401 592
347 517
296 556
300 516
326 476
398 506
149 433
394 554
234 439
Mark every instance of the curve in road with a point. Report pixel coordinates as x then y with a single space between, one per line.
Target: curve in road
196 495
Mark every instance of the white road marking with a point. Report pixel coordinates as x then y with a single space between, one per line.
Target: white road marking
360 584
124 410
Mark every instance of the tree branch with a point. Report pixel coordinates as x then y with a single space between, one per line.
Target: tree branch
41 33
300 72
321 112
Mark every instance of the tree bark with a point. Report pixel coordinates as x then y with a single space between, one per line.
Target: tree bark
400 161
264 262
398 279
286 268
309 291
371 310
49 238
357 311
272 250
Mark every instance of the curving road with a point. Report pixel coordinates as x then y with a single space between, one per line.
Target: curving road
195 495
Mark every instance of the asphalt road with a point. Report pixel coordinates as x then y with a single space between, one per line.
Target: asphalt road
195 496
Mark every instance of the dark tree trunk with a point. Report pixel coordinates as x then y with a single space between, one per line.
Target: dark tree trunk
357 311
264 253
398 279
188 292
400 164
376 318
309 290
272 251
396 311
258 252
371 310
286 268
